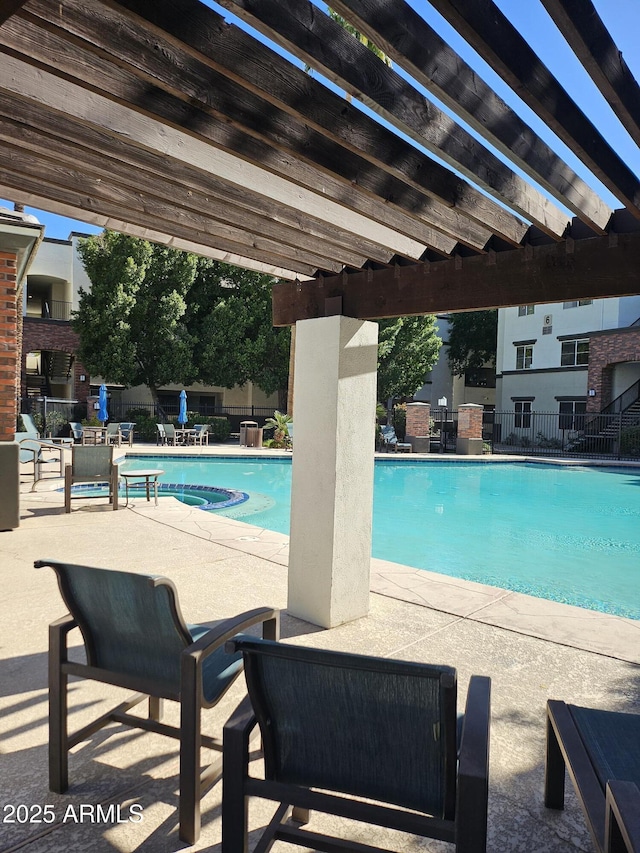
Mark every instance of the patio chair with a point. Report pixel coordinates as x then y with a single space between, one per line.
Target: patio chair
371 728
170 433
113 434
32 451
76 430
91 464
201 435
161 435
390 439
601 751
135 637
126 432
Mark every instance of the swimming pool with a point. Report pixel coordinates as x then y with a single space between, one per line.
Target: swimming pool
566 533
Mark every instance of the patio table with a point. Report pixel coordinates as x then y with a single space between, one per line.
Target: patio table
149 475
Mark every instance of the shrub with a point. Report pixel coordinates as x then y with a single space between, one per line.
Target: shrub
145 423
219 428
630 441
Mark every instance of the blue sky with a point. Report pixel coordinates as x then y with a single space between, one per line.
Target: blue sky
622 18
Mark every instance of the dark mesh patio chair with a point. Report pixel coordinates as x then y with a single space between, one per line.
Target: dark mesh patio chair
601 751
135 637
372 728
91 464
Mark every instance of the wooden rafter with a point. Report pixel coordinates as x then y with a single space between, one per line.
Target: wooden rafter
593 267
582 27
489 32
164 121
330 49
414 45
364 156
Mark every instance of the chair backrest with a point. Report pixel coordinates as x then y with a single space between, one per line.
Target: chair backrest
76 430
30 446
371 727
29 424
161 430
389 434
90 461
170 430
113 429
200 428
125 429
131 623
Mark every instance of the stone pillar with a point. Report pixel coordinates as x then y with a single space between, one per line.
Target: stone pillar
469 440
10 362
332 477
418 426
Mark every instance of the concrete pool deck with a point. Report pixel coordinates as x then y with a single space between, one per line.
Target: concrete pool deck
532 649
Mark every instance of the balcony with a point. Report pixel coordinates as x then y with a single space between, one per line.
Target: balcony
50 309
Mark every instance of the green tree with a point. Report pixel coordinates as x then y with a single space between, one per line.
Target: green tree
360 36
408 348
131 324
472 340
156 316
229 317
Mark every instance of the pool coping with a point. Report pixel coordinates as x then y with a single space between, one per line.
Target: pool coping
568 625
590 630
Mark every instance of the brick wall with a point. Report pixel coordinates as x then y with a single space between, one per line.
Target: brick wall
418 417
606 350
470 421
9 361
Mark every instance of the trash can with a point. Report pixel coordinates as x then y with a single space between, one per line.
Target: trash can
244 426
253 436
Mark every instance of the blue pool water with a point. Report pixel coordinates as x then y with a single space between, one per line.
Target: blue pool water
565 533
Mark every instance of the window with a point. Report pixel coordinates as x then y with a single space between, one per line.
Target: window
524 357
574 353
572 414
577 303
522 418
523 310
481 377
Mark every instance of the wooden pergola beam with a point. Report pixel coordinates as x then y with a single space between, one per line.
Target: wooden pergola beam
322 195
498 42
191 95
582 27
407 38
331 50
595 267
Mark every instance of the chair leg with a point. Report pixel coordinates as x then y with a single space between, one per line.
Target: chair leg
554 771
235 769
156 708
58 736
190 704
67 488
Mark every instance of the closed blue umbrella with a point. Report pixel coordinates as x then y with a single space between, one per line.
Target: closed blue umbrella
182 414
103 414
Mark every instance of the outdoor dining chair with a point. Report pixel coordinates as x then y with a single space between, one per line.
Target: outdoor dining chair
113 435
340 730
91 464
32 450
135 637
601 751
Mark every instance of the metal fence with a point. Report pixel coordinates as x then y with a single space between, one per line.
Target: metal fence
602 436
52 415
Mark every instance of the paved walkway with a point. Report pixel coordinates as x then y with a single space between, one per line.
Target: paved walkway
532 650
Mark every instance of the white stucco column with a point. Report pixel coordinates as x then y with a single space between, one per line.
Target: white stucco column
332 478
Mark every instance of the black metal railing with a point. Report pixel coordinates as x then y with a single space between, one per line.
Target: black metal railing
580 435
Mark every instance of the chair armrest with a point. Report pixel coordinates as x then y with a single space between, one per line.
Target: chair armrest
216 637
243 718
473 767
474 743
622 817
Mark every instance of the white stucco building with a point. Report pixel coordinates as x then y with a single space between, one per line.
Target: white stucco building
551 358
